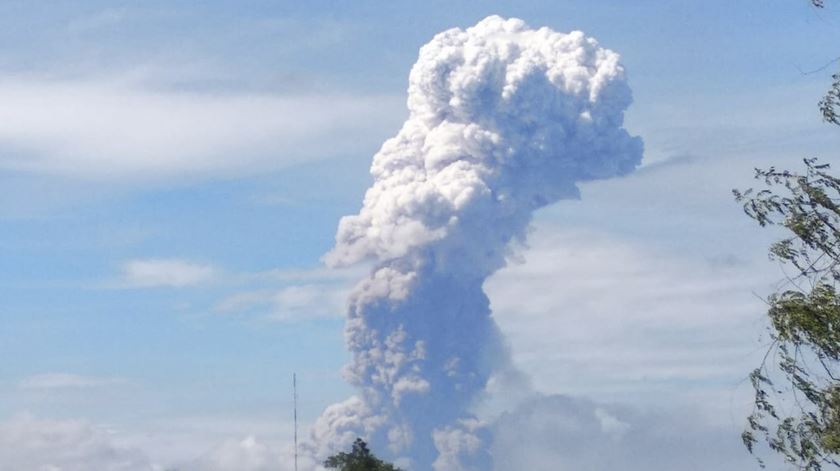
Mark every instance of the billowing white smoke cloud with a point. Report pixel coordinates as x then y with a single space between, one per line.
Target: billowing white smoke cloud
503 120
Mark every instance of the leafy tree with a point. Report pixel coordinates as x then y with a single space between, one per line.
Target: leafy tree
360 458
797 385
797 394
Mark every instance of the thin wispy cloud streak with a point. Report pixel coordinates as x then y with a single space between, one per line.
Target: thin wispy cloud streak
165 272
121 132
59 381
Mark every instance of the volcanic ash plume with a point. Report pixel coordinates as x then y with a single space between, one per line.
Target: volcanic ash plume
503 120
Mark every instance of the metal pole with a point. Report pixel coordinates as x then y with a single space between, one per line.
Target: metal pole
294 389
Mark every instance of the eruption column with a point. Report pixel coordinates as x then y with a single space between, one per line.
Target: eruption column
503 120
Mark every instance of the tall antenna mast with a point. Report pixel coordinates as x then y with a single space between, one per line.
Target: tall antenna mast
294 392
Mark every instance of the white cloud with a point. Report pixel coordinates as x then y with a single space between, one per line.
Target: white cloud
594 316
149 273
310 301
49 381
31 444
241 455
290 303
250 454
113 130
290 295
562 433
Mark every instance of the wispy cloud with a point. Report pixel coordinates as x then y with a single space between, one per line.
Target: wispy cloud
107 18
310 301
112 130
151 273
284 295
593 315
302 294
48 381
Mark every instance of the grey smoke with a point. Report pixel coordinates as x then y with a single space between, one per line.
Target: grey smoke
503 120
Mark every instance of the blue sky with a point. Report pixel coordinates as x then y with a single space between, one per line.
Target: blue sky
171 174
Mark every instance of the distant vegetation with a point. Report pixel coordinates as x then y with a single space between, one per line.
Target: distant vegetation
360 458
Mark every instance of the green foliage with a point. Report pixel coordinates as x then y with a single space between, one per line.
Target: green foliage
797 394
831 101
808 209
359 459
